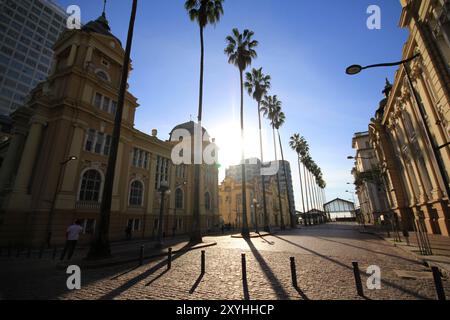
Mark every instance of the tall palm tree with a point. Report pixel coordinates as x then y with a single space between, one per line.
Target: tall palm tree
271 107
241 52
257 85
297 144
204 12
307 160
279 121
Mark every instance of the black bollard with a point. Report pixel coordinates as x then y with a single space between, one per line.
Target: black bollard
41 251
244 267
359 287
169 259
438 283
294 273
203 260
141 256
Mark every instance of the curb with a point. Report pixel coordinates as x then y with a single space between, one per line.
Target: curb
88 265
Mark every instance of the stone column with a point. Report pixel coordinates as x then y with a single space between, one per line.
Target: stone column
29 155
71 177
72 55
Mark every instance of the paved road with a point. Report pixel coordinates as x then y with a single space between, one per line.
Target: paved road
324 256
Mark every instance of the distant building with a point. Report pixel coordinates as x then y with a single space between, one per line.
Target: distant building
339 209
369 183
28 31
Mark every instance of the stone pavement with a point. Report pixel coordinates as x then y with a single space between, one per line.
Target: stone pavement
440 246
324 256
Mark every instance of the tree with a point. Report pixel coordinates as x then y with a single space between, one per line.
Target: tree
296 144
257 85
241 52
271 107
204 12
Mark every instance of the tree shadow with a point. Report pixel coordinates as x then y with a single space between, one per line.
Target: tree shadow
266 241
114 293
386 282
273 280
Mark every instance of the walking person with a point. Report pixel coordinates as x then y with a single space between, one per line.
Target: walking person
72 236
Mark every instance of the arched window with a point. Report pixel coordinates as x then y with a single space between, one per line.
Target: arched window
179 199
90 186
207 201
136 193
103 75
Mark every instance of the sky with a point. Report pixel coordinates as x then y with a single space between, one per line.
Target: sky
305 46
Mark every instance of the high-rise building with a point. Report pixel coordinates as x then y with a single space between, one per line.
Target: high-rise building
28 31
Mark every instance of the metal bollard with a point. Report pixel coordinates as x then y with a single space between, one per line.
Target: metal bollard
41 252
438 283
141 256
203 260
294 273
359 287
244 267
169 259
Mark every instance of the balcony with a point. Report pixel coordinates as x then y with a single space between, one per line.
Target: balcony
87 205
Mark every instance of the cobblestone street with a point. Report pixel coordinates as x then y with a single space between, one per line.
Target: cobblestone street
324 256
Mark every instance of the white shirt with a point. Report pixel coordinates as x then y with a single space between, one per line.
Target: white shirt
73 232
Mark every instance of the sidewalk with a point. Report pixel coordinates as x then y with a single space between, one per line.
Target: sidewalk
440 246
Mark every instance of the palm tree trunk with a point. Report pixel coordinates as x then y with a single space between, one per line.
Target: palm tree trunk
100 247
245 230
291 214
282 226
310 191
301 183
306 192
196 235
266 220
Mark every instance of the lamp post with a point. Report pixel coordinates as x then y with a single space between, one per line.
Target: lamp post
355 69
163 189
52 208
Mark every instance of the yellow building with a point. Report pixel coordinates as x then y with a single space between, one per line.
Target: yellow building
230 203
71 115
415 183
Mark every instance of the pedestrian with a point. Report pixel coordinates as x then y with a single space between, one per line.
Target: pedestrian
128 232
72 236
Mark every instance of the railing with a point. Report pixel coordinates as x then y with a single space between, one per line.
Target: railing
87 205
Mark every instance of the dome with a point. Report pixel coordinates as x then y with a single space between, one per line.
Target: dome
100 26
189 126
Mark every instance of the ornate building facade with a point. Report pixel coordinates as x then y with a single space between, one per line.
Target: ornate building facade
414 172
54 162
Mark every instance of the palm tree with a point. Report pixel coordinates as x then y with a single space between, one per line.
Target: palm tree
204 12
297 144
241 51
257 85
307 160
279 121
271 107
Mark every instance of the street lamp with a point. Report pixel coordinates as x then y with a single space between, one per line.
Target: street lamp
355 69
163 189
255 207
52 208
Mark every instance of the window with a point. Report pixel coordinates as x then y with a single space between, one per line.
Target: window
136 193
181 171
162 171
103 75
134 224
104 103
179 199
88 226
98 142
207 201
90 186
141 158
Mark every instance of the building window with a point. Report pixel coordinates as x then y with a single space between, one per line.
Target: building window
181 171
179 199
141 158
162 171
136 193
90 186
104 103
134 224
98 142
207 201
88 226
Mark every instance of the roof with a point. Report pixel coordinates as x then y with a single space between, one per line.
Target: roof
189 126
100 26
338 199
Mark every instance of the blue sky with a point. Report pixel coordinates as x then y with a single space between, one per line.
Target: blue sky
304 45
